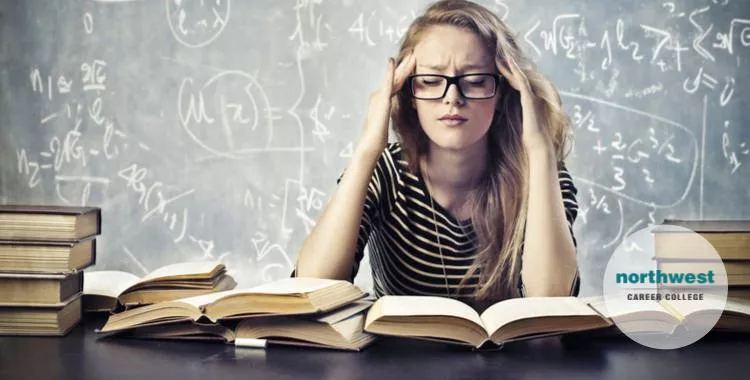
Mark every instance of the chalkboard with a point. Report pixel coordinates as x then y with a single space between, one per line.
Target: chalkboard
216 128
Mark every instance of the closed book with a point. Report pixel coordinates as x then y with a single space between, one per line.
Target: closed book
19 289
48 223
737 272
46 257
739 292
41 320
730 239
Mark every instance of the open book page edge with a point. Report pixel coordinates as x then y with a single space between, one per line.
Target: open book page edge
130 314
344 312
294 285
110 283
620 311
537 336
104 334
405 306
515 309
287 286
176 269
683 309
621 307
738 306
432 339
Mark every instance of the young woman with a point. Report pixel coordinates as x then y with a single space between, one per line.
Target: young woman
474 202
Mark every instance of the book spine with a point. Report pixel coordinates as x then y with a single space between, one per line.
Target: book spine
98 221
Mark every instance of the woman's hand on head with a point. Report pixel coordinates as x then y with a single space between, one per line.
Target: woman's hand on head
379 108
534 135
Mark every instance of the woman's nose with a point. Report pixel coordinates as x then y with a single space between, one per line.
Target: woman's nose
453 95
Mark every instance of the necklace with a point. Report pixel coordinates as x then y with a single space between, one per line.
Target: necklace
437 234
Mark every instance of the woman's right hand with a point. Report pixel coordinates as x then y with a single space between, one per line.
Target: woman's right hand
375 135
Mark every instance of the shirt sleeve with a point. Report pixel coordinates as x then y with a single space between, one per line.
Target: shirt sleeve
372 207
569 193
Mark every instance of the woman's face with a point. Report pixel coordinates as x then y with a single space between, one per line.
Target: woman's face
454 122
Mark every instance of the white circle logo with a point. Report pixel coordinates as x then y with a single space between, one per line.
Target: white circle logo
665 287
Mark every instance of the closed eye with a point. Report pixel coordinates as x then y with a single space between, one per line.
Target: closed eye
430 81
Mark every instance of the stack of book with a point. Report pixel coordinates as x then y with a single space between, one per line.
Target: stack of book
42 252
295 311
685 253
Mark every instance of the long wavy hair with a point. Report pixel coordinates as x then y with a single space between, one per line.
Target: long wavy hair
499 203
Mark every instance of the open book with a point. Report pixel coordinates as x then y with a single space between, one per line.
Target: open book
450 320
104 290
736 316
665 316
289 296
341 328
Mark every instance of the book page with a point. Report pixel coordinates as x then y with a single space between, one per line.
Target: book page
188 268
504 312
710 303
294 285
427 306
343 312
738 306
110 283
201 301
618 308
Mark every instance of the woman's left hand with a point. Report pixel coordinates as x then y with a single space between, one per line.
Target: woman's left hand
535 135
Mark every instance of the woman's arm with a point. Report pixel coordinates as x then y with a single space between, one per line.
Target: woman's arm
549 259
549 254
329 249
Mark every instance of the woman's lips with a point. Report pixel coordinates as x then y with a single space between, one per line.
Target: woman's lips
453 120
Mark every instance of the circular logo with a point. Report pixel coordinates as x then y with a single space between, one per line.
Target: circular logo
665 287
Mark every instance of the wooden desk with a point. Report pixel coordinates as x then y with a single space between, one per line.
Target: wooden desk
79 355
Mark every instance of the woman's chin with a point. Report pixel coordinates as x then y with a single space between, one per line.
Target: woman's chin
456 142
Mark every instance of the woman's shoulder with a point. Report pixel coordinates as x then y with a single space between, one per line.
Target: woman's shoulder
392 163
393 149
394 156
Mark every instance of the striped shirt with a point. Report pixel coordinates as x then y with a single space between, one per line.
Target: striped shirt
398 229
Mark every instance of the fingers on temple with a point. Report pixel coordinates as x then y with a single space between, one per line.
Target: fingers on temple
388 80
405 68
510 72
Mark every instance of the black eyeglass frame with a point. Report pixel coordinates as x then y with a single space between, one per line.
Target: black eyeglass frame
453 80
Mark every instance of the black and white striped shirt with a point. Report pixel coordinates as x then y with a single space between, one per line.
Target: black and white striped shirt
397 226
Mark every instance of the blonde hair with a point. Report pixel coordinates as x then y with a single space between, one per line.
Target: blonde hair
499 203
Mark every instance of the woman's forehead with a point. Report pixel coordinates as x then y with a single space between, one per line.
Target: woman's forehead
444 47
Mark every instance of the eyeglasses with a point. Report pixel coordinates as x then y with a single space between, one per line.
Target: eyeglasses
470 86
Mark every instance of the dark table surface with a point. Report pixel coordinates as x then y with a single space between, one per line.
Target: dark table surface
81 355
